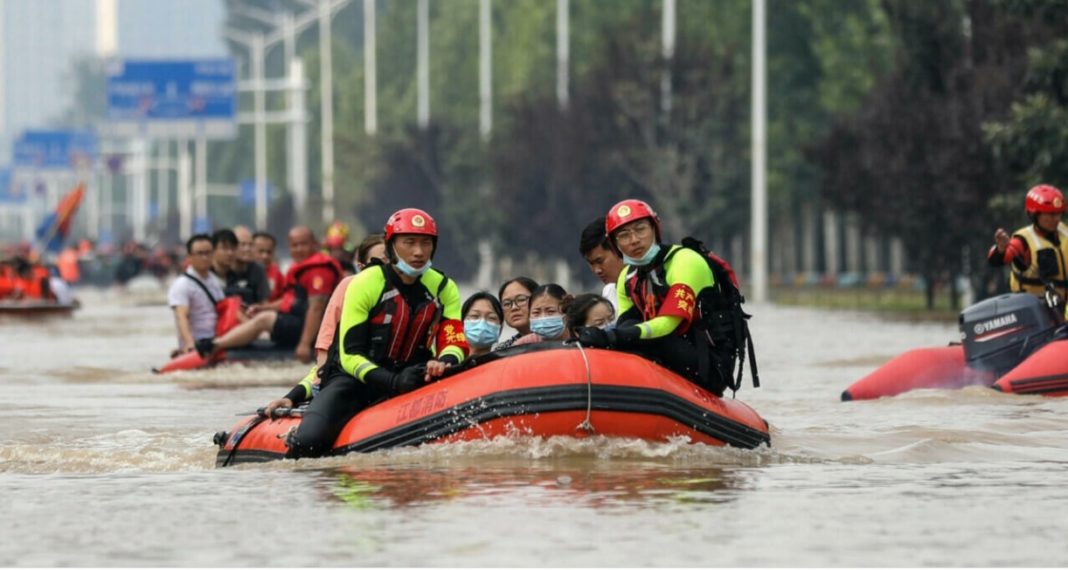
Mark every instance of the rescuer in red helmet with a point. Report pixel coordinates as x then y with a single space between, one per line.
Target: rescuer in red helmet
1036 253
665 295
400 328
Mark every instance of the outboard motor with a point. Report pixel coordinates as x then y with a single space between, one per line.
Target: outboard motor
998 333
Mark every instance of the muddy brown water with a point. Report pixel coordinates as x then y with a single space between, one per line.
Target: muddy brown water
104 464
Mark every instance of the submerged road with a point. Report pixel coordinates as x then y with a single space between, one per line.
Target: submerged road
104 464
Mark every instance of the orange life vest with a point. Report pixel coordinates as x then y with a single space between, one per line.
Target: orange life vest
294 296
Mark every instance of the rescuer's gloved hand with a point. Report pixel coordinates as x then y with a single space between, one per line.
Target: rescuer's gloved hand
407 380
611 338
396 383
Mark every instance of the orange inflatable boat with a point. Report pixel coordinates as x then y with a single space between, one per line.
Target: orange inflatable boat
36 308
1045 372
1013 343
259 351
546 389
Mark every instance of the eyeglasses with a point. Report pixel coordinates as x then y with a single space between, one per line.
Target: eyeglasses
516 301
637 230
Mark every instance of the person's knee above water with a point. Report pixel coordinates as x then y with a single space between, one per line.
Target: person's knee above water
657 294
589 310
483 315
294 319
400 327
515 300
372 250
604 261
1036 253
548 303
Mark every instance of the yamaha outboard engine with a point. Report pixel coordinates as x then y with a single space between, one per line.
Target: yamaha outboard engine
998 333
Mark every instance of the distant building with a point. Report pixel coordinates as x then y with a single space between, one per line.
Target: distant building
40 41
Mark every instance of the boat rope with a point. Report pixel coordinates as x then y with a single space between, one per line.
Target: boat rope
586 425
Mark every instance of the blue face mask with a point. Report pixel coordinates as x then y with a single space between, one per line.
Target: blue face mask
645 259
481 333
409 270
548 328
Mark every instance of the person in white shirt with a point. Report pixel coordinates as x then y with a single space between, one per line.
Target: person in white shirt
603 260
193 295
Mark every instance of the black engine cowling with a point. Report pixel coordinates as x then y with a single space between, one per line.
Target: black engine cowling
998 333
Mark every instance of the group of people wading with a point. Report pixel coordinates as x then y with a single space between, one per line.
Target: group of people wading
400 322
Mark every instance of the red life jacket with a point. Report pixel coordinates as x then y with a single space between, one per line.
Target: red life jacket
227 309
294 296
718 315
7 281
277 281
400 329
647 288
36 285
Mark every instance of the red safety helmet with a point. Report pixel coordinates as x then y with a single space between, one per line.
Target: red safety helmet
629 211
337 235
411 221
1044 199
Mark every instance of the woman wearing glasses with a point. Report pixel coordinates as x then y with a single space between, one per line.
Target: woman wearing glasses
515 300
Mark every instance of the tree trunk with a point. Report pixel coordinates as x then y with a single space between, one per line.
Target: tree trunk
929 286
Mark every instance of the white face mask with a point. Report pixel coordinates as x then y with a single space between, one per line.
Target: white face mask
645 259
481 333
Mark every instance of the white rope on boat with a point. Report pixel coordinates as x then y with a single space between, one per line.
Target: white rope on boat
586 425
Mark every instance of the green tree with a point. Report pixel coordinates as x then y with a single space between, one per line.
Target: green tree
912 161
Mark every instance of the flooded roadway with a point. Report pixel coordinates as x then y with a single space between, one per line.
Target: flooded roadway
104 464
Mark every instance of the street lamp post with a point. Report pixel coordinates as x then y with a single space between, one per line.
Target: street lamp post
287 28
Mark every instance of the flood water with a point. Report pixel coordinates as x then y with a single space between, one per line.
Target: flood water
103 463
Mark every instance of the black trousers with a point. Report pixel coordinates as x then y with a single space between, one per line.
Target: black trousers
340 397
680 354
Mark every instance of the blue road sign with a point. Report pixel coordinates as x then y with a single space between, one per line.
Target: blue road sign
173 98
7 189
61 150
247 196
201 225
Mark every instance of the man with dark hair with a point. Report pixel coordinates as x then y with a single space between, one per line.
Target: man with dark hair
263 245
602 258
246 278
222 261
194 294
293 320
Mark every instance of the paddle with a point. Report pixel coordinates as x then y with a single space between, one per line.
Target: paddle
277 413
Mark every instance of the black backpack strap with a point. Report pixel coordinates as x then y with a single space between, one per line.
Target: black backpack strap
203 288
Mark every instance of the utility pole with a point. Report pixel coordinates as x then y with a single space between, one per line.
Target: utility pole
422 71
485 70
563 51
370 84
668 34
288 27
759 210
326 101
